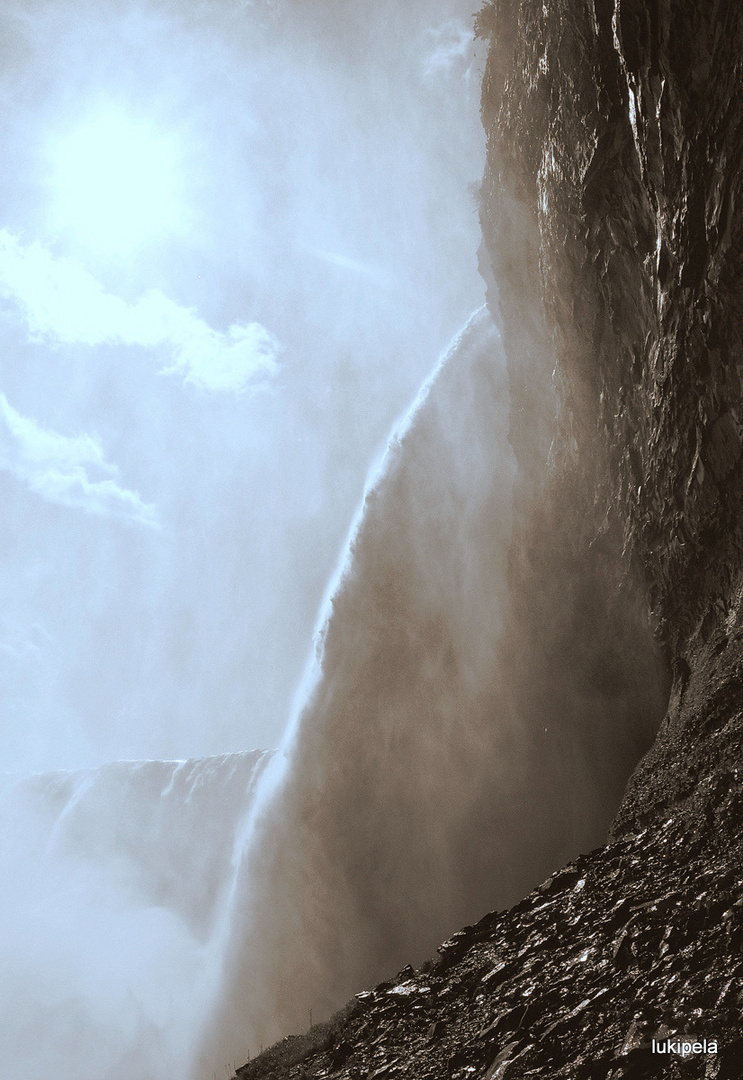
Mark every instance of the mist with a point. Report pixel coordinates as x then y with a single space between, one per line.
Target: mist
113 883
235 239
234 365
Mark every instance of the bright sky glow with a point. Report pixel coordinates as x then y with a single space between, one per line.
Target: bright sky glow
234 237
116 184
229 254
61 302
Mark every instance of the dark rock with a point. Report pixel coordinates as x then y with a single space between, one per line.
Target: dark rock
437 1029
499 1066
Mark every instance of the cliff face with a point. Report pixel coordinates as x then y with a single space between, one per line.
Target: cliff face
612 203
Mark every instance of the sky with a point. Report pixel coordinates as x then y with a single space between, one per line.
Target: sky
235 238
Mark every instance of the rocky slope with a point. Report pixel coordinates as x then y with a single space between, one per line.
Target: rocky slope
611 213
575 982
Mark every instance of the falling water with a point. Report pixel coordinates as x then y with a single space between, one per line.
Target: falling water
414 790
374 835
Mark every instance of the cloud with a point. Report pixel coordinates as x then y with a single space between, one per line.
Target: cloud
62 303
68 471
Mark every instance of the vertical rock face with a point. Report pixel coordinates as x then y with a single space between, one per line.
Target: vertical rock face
612 207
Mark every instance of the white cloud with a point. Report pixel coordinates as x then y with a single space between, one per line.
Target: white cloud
69 471
61 302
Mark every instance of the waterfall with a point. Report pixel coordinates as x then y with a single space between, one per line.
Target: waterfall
384 821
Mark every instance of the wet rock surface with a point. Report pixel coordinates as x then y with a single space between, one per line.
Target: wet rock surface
612 201
640 940
616 156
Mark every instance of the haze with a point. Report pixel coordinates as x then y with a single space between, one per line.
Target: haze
235 238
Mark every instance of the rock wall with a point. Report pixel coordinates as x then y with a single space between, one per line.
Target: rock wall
611 205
